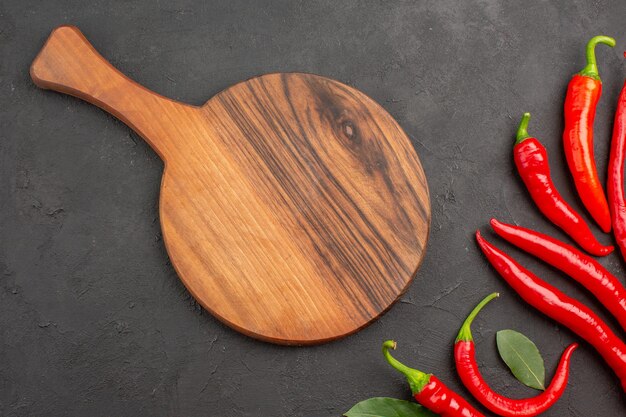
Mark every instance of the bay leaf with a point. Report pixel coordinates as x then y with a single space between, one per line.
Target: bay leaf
388 407
522 357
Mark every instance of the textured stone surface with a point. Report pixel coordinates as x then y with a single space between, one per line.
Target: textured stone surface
93 320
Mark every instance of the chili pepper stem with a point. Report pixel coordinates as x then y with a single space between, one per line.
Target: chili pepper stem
417 379
522 130
465 333
591 69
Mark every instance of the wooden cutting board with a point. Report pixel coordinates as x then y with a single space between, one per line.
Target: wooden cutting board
293 207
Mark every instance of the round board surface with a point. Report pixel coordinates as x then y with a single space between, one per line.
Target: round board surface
307 215
293 207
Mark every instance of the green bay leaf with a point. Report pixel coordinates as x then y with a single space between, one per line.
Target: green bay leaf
388 407
522 357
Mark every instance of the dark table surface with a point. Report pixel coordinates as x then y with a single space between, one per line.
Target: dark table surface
93 320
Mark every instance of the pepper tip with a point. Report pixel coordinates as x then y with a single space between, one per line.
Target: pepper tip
606 250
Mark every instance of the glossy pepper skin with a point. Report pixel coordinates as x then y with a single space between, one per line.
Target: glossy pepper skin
467 368
583 93
429 391
615 182
559 307
582 268
531 160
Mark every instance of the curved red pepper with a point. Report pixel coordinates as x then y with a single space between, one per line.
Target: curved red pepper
467 368
558 306
429 391
584 269
615 182
531 159
583 93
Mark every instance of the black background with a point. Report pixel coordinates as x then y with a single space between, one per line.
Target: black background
93 320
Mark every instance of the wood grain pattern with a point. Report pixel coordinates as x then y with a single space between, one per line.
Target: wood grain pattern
293 207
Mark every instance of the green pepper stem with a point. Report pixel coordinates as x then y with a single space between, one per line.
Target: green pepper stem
522 130
417 379
591 69
465 333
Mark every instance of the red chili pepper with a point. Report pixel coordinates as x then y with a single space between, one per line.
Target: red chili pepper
615 187
467 368
531 159
582 97
584 269
429 391
558 306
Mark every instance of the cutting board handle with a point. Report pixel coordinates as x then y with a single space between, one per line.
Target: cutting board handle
68 63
